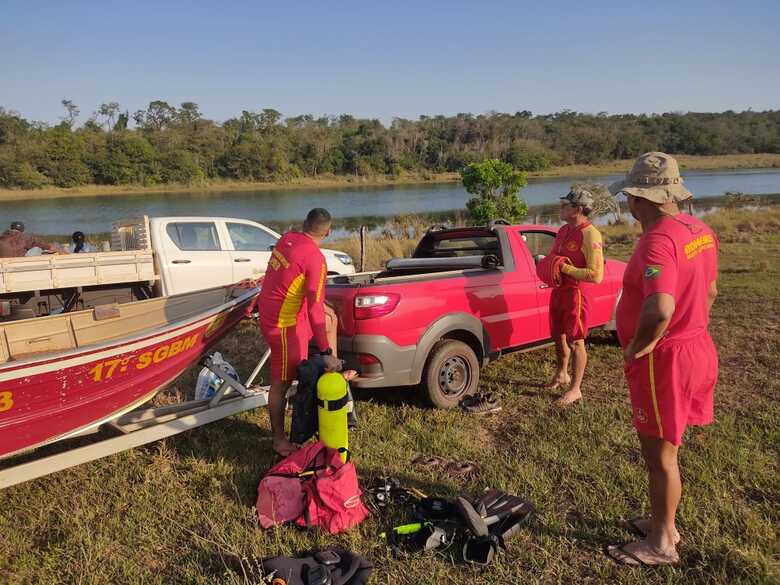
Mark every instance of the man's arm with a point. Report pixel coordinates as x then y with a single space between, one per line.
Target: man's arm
315 272
594 259
654 318
712 294
32 242
659 286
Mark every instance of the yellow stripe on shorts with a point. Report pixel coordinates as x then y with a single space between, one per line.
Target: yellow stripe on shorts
653 396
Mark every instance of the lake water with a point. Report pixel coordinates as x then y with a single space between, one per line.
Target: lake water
280 207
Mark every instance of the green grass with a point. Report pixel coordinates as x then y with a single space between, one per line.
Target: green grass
180 510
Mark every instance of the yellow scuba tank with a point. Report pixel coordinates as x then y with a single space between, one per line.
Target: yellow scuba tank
332 406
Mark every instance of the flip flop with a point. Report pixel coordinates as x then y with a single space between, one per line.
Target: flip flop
430 461
626 555
461 468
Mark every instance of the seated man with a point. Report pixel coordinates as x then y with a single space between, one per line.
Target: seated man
14 242
80 245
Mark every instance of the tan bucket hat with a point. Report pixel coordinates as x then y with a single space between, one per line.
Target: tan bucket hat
655 176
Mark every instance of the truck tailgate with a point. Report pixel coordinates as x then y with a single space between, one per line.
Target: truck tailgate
342 299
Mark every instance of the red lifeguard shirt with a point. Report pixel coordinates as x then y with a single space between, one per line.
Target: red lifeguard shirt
678 256
295 277
582 245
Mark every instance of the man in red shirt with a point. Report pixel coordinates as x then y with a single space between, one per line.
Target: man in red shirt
671 364
292 310
580 243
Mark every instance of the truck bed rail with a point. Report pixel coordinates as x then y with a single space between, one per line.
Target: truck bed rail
53 271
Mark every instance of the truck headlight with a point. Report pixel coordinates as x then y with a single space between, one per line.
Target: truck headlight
344 258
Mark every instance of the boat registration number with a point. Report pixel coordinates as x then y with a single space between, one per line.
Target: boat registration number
6 401
107 369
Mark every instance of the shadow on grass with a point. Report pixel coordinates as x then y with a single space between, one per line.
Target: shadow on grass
406 395
244 446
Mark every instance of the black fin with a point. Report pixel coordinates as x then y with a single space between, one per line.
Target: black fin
496 505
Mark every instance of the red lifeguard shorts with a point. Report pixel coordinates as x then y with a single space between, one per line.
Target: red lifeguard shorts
673 387
569 313
289 347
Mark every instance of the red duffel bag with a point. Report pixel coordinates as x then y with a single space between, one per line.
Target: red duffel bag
549 269
311 487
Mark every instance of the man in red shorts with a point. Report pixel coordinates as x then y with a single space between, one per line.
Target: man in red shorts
671 364
292 310
580 243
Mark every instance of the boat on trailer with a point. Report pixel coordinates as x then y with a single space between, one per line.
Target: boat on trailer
67 375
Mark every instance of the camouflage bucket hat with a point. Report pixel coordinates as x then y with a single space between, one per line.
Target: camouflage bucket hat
655 176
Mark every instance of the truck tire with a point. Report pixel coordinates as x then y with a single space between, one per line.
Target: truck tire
451 373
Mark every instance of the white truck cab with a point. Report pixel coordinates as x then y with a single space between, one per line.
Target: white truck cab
149 257
200 252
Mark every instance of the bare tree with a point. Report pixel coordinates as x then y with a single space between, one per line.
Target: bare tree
603 201
108 112
72 112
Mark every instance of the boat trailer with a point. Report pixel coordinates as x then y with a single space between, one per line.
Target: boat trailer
146 425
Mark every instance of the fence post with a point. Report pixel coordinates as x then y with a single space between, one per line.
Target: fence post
363 234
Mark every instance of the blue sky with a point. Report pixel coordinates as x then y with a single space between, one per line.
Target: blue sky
390 59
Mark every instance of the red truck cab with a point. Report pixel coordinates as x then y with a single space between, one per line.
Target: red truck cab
465 297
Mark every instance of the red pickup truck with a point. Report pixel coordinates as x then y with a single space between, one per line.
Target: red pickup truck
466 296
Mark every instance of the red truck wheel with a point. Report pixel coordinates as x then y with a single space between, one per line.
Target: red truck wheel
451 373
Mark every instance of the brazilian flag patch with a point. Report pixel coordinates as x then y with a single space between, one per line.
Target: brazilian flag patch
652 272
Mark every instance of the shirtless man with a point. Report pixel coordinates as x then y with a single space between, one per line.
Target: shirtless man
14 242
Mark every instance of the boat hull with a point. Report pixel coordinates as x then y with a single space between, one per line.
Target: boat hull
55 397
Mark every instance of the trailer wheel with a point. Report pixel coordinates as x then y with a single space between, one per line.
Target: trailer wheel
451 373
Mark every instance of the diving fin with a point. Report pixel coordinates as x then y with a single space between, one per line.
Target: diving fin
472 518
510 525
495 505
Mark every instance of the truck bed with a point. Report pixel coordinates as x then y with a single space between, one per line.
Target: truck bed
53 271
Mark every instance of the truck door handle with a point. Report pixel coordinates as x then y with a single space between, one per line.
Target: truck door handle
181 261
544 285
242 260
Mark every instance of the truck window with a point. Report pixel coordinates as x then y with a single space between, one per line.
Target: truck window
473 245
194 236
247 238
539 244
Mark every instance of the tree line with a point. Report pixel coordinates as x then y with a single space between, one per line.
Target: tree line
168 144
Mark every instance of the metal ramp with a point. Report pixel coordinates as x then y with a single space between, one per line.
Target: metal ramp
147 425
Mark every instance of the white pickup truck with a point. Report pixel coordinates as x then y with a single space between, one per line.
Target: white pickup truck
149 257
199 252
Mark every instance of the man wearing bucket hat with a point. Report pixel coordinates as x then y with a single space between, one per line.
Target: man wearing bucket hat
671 364
580 244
